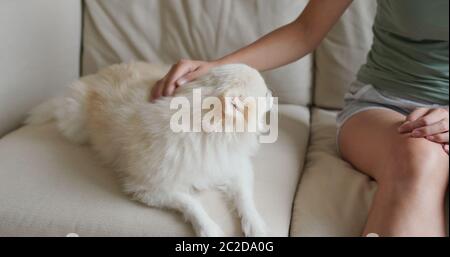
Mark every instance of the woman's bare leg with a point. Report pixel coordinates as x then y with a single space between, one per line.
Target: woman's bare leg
412 174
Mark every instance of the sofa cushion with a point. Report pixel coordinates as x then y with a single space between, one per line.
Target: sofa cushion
341 54
50 187
39 54
164 31
333 199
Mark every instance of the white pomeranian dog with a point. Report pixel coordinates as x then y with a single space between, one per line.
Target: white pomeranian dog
110 111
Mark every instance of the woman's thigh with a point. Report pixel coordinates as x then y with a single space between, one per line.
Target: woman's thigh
371 142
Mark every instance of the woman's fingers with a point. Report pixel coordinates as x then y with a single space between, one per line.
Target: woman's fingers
432 124
179 70
187 78
433 129
166 86
413 116
157 90
430 117
439 138
416 114
181 73
191 76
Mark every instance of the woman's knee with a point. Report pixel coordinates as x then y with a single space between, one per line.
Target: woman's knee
416 162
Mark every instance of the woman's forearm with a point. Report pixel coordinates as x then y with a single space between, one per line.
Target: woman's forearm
280 47
293 41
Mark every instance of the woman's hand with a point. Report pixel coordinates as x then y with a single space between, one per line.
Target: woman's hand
181 73
429 123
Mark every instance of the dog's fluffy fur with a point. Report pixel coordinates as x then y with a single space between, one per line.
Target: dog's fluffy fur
110 111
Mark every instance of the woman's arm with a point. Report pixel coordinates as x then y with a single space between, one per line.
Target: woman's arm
292 41
280 47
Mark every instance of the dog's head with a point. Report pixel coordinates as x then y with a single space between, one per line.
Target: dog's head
243 96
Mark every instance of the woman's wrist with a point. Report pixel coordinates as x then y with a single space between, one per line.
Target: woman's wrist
221 61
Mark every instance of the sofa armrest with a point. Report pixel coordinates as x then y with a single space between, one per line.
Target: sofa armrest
39 54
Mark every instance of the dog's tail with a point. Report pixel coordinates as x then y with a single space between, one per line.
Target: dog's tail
67 111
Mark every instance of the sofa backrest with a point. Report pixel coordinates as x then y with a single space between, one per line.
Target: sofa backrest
342 53
163 31
40 46
39 54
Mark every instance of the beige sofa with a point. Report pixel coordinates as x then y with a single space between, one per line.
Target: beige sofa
50 187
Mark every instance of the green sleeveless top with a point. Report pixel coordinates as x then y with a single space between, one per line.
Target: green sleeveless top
409 55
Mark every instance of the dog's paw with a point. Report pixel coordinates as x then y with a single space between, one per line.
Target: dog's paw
212 230
254 228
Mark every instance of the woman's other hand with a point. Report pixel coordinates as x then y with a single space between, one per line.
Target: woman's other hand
429 123
181 73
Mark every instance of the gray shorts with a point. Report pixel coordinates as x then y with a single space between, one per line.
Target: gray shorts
362 97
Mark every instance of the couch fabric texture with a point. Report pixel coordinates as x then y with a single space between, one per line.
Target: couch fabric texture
39 54
52 187
49 186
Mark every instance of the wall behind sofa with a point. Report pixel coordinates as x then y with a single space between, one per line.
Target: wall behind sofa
39 54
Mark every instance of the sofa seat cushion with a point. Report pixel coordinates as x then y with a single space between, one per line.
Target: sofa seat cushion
50 187
333 199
